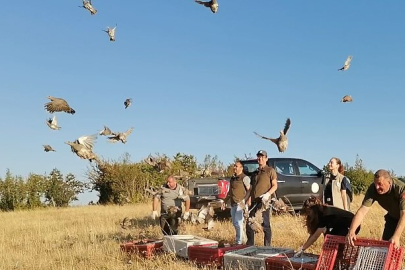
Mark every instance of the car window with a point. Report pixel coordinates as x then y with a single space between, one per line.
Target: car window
285 167
249 168
307 169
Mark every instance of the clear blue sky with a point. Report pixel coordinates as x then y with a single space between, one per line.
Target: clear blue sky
201 82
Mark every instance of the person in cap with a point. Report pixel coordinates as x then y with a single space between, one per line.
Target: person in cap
390 195
238 194
264 186
171 196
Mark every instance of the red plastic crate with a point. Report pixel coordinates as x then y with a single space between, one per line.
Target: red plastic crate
147 247
210 255
336 253
307 261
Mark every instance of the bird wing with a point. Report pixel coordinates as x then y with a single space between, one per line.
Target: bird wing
113 139
54 121
287 126
207 4
87 141
266 138
129 131
57 105
348 60
106 131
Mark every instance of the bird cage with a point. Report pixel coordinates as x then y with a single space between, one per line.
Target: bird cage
253 257
179 244
307 261
365 254
146 248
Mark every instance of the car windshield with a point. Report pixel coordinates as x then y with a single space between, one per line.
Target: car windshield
250 166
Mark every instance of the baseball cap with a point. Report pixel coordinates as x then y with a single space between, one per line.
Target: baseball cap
262 153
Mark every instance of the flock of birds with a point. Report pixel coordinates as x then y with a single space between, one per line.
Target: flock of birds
282 141
87 4
82 146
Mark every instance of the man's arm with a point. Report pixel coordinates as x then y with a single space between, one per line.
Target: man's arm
155 204
246 182
358 218
398 231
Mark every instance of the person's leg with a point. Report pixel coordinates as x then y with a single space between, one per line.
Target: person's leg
389 228
237 221
267 227
164 225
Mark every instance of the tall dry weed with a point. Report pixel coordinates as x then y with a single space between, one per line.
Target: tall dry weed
88 237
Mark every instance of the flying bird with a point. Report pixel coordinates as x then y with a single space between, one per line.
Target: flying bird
282 140
213 5
88 5
120 136
83 147
48 148
58 105
347 63
53 123
105 132
347 98
127 102
111 32
87 141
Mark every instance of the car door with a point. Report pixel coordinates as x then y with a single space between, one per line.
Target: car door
311 179
288 182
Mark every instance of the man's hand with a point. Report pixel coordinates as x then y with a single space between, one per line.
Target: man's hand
223 206
186 215
265 197
154 215
351 237
395 240
299 252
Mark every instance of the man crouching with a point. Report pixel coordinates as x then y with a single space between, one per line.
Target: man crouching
171 196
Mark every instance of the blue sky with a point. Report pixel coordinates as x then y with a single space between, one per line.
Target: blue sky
201 82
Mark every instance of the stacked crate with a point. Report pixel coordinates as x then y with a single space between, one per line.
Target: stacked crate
210 255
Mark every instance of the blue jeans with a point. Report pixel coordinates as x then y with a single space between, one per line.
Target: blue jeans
237 221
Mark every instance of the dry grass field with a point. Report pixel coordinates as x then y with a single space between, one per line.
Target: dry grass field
88 237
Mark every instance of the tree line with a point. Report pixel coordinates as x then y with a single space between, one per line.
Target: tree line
122 181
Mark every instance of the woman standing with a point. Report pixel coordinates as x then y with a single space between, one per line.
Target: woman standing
338 191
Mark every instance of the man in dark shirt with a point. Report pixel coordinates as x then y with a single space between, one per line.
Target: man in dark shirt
390 195
264 185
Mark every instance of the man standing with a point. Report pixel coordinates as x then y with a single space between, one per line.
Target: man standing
171 196
264 185
390 194
239 192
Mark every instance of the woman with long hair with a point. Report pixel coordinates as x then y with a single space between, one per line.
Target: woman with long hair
338 191
324 219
